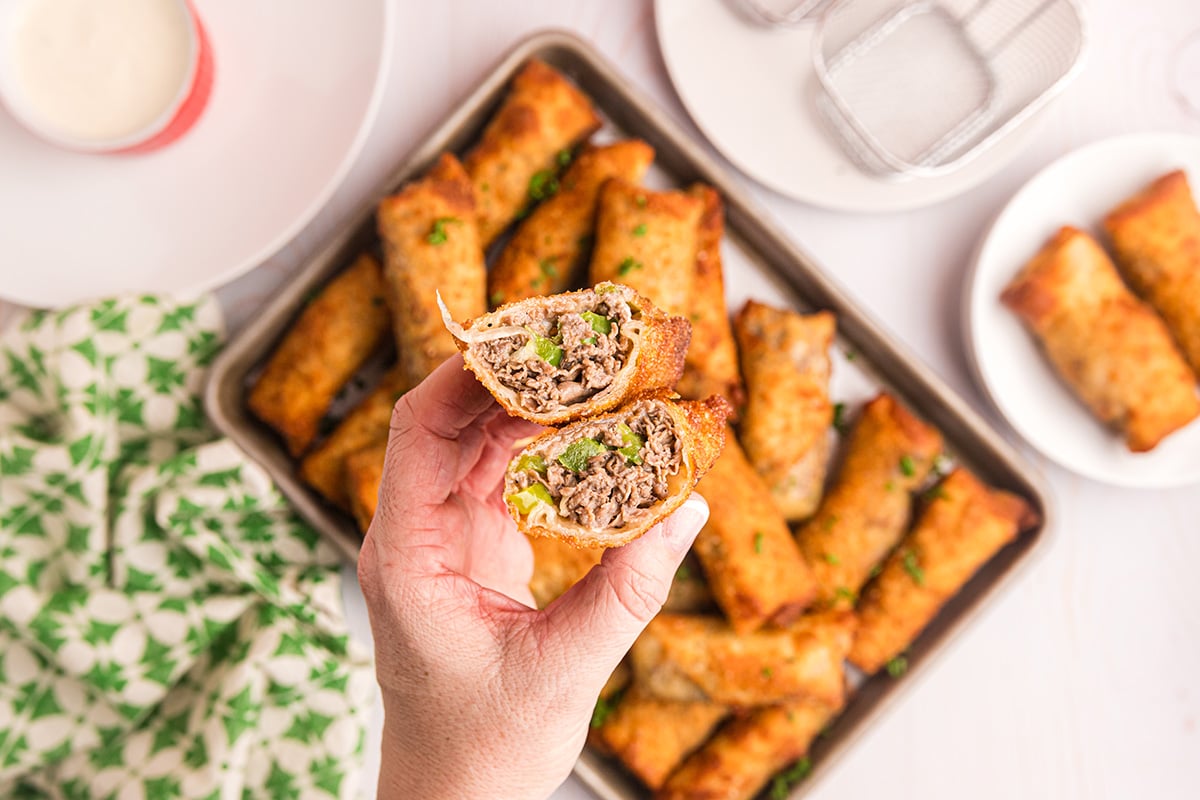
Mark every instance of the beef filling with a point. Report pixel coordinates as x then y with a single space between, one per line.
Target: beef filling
609 489
589 363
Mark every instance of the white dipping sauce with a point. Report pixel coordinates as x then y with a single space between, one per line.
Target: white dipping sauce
100 70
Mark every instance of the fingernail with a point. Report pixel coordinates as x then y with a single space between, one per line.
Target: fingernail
681 529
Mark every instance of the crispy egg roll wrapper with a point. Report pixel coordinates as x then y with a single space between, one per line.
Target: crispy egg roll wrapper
889 454
324 468
545 255
963 526
557 566
648 240
752 563
652 737
333 336
1156 236
431 244
738 762
597 502
787 418
711 366
542 114
363 474
687 657
1109 347
642 351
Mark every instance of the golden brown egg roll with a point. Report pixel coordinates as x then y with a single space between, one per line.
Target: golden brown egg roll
516 157
889 454
556 359
604 481
1156 236
1109 347
346 321
431 245
557 566
686 657
963 526
363 473
738 762
786 424
711 366
648 240
753 566
544 256
324 468
652 736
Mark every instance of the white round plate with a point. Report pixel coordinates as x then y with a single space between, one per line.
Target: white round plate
294 95
752 90
1078 189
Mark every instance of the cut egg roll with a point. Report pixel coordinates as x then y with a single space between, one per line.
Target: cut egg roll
363 474
1156 236
648 240
962 527
518 154
786 422
752 563
687 658
556 359
335 333
545 255
604 481
1109 347
431 246
867 510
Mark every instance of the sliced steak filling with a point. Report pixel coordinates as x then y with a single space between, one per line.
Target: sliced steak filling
568 354
610 469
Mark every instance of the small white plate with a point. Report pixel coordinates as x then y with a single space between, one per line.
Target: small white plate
752 90
294 95
1078 189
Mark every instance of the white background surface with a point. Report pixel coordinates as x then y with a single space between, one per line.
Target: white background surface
1084 680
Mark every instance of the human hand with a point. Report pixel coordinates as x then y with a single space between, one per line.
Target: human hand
483 695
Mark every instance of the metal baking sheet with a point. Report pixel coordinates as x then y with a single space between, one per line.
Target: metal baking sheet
760 261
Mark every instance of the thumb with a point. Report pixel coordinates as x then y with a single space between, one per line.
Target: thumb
595 623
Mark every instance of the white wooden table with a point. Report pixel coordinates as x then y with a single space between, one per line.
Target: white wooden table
1083 681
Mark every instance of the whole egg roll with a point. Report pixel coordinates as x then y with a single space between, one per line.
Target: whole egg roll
963 526
1156 236
544 256
1109 347
889 454
556 359
648 240
711 365
431 245
603 482
363 474
516 157
342 325
786 424
686 657
324 468
557 566
753 566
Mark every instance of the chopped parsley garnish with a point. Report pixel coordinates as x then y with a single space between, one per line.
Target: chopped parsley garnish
640 200
577 454
683 573
851 355
897 666
936 492
496 298
437 233
913 568
758 541
843 593
767 673
829 522
640 230
605 706
839 417
546 265
628 265
563 157
784 781
875 570
890 486
907 466
543 184
830 558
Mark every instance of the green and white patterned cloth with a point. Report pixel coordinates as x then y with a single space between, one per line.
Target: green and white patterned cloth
168 627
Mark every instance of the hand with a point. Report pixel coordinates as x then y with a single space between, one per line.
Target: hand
483 695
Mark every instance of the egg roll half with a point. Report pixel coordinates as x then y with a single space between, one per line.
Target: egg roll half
556 359
648 240
1156 236
1109 347
685 657
431 245
363 475
963 526
516 157
605 481
342 325
753 566
889 454
544 256
786 424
